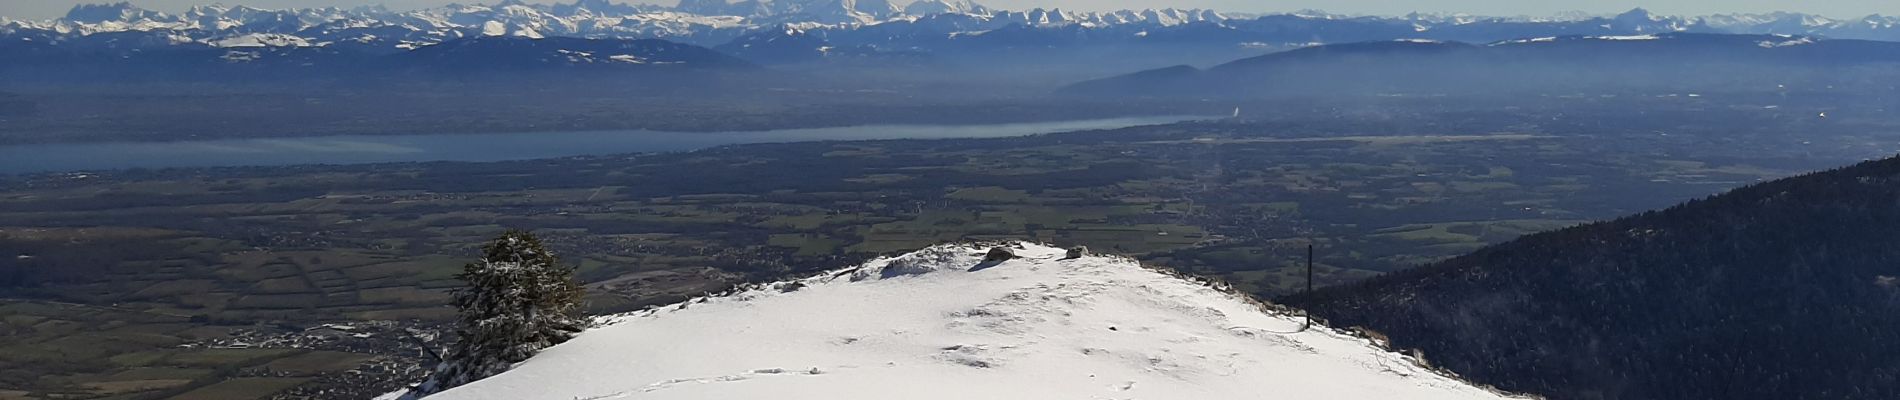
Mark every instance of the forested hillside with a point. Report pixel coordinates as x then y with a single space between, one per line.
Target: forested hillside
1780 290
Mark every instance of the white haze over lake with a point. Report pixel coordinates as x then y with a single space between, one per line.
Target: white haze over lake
482 147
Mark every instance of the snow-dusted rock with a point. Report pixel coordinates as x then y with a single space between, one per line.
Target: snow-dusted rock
1077 252
262 40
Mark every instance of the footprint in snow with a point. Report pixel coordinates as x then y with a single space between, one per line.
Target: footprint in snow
757 373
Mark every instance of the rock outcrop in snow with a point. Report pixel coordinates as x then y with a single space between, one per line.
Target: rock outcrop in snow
942 323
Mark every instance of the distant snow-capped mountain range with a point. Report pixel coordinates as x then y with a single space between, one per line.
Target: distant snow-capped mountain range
920 25
700 22
120 42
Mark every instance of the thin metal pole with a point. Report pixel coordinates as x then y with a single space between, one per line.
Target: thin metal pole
1309 281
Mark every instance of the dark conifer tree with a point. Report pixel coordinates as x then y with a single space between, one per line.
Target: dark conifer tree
518 300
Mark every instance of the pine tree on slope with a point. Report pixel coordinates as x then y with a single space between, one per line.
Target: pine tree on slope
518 300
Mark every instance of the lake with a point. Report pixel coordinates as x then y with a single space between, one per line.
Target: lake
478 147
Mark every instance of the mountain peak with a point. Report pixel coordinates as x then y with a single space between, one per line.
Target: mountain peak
929 7
944 323
1636 14
1641 20
96 13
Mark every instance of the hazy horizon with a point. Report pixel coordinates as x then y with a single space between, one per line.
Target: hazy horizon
46 9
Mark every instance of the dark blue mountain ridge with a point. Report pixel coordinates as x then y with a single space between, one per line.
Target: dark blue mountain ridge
1665 61
518 57
1788 289
517 53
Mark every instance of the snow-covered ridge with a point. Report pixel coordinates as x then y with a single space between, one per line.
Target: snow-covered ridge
942 323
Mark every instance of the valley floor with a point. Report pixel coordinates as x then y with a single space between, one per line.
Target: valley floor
186 255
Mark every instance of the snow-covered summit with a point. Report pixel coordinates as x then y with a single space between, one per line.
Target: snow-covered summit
941 323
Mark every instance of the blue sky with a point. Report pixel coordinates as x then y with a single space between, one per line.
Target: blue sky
39 9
